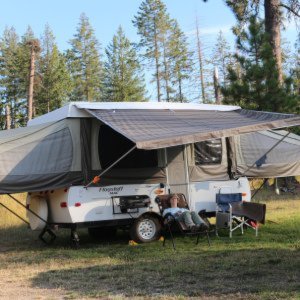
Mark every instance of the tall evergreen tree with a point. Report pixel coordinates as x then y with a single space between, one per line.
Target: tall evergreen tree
180 60
15 60
84 63
273 17
9 77
152 22
123 79
28 42
257 85
296 69
222 57
55 83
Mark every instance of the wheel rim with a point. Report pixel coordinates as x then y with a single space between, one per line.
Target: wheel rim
147 229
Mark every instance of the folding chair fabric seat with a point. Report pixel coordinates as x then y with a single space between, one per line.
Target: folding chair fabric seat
170 223
231 208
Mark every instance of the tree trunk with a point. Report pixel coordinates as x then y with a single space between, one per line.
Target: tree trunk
166 75
272 27
34 48
199 48
31 83
157 75
216 86
7 117
180 89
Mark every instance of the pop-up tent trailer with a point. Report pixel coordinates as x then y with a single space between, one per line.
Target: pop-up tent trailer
172 147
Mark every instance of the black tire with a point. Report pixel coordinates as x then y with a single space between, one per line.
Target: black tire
145 229
102 233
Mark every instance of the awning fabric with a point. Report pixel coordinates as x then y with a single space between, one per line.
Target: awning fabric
154 129
281 161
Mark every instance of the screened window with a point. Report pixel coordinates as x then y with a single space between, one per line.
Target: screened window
208 152
112 145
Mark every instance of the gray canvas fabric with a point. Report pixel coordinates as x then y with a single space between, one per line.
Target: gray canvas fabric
283 160
132 176
53 155
37 158
154 129
205 172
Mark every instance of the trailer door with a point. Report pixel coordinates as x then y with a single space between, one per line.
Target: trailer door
177 170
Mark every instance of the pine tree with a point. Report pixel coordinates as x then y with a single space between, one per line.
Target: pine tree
200 59
180 60
222 57
55 83
28 41
296 70
152 22
84 63
274 12
14 78
122 73
9 77
257 85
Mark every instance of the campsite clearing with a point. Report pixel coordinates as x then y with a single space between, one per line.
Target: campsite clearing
267 267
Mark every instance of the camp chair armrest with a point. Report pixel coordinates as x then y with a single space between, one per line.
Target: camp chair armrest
169 218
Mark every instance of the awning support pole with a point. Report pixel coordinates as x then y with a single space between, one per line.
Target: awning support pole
27 208
11 211
265 154
261 186
112 165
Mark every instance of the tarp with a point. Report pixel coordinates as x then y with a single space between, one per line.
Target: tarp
282 161
154 129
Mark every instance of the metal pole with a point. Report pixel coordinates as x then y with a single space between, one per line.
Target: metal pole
266 153
112 165
27 208
14 213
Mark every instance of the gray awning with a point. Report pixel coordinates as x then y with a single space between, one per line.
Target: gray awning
153 129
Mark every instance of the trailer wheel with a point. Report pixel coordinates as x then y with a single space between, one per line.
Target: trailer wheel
145 229
102 233
38 205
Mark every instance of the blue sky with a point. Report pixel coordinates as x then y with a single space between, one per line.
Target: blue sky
106 16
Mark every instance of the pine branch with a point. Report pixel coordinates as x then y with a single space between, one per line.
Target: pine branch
290 9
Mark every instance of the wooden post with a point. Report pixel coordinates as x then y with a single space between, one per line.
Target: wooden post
34 48
216 86
7 117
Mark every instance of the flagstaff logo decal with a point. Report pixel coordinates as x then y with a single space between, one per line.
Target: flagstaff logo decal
111 190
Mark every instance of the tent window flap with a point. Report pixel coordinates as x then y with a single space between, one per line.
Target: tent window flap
208 152
112 145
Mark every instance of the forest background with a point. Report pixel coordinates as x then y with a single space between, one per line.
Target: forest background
258 69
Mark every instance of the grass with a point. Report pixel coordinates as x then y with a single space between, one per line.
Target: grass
267 267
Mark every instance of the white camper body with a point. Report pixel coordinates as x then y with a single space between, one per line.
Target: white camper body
100 206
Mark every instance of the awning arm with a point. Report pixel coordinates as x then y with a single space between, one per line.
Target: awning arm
97 178
264 155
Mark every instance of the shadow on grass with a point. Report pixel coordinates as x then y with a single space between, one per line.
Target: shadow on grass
267 266
266 272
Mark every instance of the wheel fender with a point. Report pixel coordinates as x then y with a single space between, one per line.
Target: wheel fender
152 214
37 204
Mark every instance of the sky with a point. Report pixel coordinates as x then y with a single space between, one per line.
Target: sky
107 15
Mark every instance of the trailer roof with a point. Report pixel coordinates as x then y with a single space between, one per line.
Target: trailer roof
77 109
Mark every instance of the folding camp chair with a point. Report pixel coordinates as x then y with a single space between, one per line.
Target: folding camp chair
233 213
170 224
